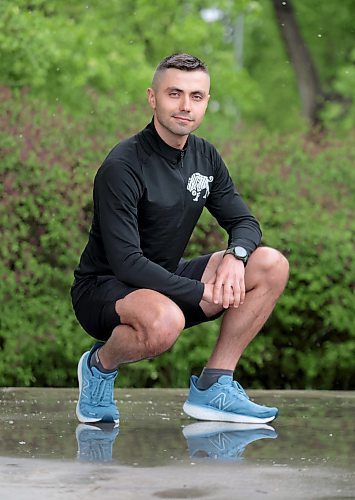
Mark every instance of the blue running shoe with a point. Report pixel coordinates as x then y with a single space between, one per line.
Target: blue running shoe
95 403
225 401
223 440
95 441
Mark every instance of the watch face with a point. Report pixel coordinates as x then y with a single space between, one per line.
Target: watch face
240 252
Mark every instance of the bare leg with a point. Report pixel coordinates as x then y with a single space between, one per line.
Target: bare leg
150 324
265 279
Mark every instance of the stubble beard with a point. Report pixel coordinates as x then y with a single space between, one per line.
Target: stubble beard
177 129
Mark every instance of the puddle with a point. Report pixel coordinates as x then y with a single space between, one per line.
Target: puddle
313 428
309 449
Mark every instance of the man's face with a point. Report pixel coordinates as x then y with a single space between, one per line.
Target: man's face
179 100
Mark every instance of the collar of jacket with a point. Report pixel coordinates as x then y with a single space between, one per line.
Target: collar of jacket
150 135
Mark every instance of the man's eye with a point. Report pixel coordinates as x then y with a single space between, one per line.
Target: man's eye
174 94
197 97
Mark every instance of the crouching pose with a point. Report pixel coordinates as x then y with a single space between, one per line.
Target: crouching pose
134 292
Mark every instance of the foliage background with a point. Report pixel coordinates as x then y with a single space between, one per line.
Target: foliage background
72 84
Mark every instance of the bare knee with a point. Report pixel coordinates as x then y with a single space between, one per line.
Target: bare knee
272 265
166 325
156 320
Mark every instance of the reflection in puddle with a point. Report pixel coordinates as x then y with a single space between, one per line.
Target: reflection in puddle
223 440
44 451
205 440
314 428
95 441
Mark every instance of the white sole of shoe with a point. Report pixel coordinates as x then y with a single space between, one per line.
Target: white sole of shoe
82 418
222 416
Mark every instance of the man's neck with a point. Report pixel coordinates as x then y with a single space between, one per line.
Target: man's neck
175 141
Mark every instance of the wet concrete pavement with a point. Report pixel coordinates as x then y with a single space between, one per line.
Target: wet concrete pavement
159 452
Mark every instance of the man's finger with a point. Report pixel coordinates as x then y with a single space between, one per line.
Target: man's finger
237 294
217 289
212 280
227 295
242 292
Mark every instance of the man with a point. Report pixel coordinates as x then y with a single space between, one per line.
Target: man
134 292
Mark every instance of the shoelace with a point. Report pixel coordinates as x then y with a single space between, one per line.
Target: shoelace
236 386
102 391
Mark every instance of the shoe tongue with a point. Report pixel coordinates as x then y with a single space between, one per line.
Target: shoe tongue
225 380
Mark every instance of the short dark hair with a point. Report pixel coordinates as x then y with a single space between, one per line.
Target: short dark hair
181 61
185 62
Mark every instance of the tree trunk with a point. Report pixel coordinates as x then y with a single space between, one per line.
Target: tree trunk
306 74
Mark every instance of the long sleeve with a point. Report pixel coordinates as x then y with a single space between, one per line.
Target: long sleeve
117 192
231 212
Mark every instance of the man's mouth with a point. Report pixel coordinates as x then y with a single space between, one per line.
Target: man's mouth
184 118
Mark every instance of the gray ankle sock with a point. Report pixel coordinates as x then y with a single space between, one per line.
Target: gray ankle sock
95 361
209 376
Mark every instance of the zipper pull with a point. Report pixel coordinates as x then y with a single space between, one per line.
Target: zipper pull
182 159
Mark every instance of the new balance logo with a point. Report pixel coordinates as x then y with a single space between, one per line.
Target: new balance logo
221 442
221 401
86 387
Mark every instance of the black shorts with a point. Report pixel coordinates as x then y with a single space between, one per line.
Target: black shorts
94 299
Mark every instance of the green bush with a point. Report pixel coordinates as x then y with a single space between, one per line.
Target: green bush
46 175
304 197
299 187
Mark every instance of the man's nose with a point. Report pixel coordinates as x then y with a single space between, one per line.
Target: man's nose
185 103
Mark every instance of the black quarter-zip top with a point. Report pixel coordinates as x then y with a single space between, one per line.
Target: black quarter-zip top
148 197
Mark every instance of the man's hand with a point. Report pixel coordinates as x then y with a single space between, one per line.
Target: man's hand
208 293
227 288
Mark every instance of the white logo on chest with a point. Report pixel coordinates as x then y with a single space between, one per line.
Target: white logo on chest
197 183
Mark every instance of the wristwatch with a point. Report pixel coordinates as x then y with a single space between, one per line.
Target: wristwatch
239 253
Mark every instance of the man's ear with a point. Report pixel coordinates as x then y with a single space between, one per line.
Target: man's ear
151 97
